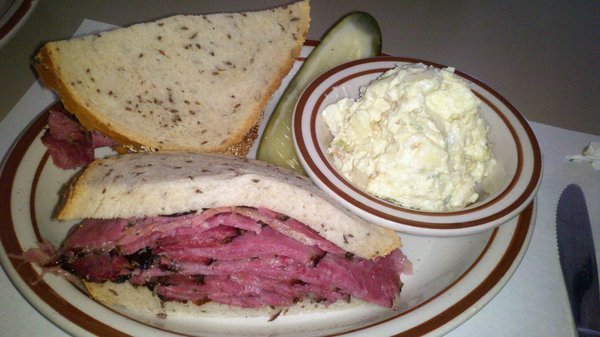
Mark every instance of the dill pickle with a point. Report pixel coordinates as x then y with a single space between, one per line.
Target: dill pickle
355 36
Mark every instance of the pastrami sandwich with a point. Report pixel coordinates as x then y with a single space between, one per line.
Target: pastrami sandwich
195 83
212 228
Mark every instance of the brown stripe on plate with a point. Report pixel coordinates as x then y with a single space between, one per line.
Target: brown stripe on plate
36 179
15 18
302 147
12 246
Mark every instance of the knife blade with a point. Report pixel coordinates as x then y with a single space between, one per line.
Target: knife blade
578 260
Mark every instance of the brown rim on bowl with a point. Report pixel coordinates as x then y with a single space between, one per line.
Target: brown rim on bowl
518 202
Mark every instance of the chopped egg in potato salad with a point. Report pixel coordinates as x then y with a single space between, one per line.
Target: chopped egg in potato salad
415 137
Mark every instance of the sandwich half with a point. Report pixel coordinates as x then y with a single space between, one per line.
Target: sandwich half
198 228
194 83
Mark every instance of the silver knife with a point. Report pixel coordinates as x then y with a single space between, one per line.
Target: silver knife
578 260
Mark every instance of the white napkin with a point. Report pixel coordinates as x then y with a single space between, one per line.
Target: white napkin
590 153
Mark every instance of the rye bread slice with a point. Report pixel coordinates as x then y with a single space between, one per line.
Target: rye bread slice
183 83
151 184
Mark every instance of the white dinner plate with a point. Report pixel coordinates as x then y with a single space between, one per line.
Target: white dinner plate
452 277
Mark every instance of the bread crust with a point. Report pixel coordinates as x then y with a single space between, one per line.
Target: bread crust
242 143
151 184
238 141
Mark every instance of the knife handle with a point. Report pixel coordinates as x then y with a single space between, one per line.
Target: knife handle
582 332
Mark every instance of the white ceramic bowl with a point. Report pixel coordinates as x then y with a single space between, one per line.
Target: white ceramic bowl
509 190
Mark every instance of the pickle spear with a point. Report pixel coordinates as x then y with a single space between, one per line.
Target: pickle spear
355 36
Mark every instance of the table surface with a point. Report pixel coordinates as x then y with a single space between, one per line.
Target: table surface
543 57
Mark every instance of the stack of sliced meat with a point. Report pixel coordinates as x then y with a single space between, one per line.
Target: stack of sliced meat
70 146
232 255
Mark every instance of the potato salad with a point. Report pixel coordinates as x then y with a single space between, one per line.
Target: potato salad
414 137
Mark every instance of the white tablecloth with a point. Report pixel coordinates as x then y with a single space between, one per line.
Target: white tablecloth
533 302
